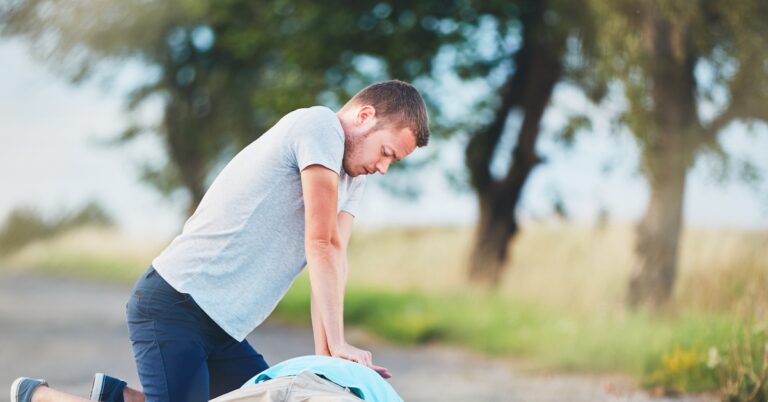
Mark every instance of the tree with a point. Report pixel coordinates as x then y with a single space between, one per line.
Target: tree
227 70
653 48
543 28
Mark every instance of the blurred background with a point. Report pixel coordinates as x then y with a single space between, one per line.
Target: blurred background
593 199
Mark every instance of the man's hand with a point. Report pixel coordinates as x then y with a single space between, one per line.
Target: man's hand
364 357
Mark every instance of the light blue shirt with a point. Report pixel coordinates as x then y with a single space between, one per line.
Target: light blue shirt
362 381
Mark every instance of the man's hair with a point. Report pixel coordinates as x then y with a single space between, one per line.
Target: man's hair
397 102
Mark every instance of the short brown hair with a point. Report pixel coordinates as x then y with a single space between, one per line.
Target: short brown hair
397 101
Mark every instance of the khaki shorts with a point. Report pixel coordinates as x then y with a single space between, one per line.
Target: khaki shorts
304 387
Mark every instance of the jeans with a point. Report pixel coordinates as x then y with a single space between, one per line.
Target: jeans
181 353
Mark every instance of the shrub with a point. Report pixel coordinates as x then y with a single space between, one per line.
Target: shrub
25 225
743 374
739 370
681 370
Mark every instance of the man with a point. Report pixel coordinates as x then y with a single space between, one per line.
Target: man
305 378
285 201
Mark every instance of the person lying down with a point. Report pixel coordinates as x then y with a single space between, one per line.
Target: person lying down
311 378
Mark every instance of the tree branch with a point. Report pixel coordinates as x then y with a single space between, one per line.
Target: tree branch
482 145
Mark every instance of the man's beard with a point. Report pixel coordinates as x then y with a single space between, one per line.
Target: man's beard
352 149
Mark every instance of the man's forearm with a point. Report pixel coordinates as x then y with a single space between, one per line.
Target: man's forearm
326 266
318 331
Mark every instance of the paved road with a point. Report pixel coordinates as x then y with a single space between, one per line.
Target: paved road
64 330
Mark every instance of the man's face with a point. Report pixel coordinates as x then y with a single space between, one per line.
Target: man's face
376 149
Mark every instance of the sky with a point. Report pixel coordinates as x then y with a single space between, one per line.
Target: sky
53 157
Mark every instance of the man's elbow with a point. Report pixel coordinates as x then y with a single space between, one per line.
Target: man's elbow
323 246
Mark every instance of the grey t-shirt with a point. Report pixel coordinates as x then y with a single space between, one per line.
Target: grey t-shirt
240 251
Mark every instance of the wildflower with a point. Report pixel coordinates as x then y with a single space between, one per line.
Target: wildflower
713 358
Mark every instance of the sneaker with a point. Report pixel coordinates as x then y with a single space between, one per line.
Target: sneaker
23 387
107 388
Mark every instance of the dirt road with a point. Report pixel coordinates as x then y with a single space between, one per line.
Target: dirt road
64 330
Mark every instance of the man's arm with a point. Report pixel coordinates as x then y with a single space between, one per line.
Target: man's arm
324 259
344 222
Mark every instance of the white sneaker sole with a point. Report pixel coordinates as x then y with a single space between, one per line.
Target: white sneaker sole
15 387
98 386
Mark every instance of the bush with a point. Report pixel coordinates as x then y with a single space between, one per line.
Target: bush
739 372
743 375
25 225
681 370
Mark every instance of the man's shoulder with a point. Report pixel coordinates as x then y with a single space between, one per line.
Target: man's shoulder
319 118
320 112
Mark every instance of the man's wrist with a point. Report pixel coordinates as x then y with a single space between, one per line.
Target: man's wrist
333 347
321 347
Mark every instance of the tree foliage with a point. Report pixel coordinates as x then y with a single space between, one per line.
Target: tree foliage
225 71
720 45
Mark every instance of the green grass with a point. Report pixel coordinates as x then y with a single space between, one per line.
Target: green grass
548 338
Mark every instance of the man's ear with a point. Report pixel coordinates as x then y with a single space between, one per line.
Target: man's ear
365 113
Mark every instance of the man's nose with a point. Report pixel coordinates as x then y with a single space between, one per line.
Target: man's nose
382 167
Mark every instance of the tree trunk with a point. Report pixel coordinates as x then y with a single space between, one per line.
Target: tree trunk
495 229
668 150
658 233
538 69
186 150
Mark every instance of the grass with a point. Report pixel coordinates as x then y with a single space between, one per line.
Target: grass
560 304
549 338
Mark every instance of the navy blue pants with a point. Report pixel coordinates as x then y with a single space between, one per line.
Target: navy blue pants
181 353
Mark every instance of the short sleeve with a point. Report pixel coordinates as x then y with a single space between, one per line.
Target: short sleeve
317 140
354 195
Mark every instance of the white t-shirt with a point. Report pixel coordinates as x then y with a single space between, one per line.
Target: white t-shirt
241 250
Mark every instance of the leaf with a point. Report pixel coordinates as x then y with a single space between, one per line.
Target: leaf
575 124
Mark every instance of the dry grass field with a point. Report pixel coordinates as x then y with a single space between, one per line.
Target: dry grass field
569 266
